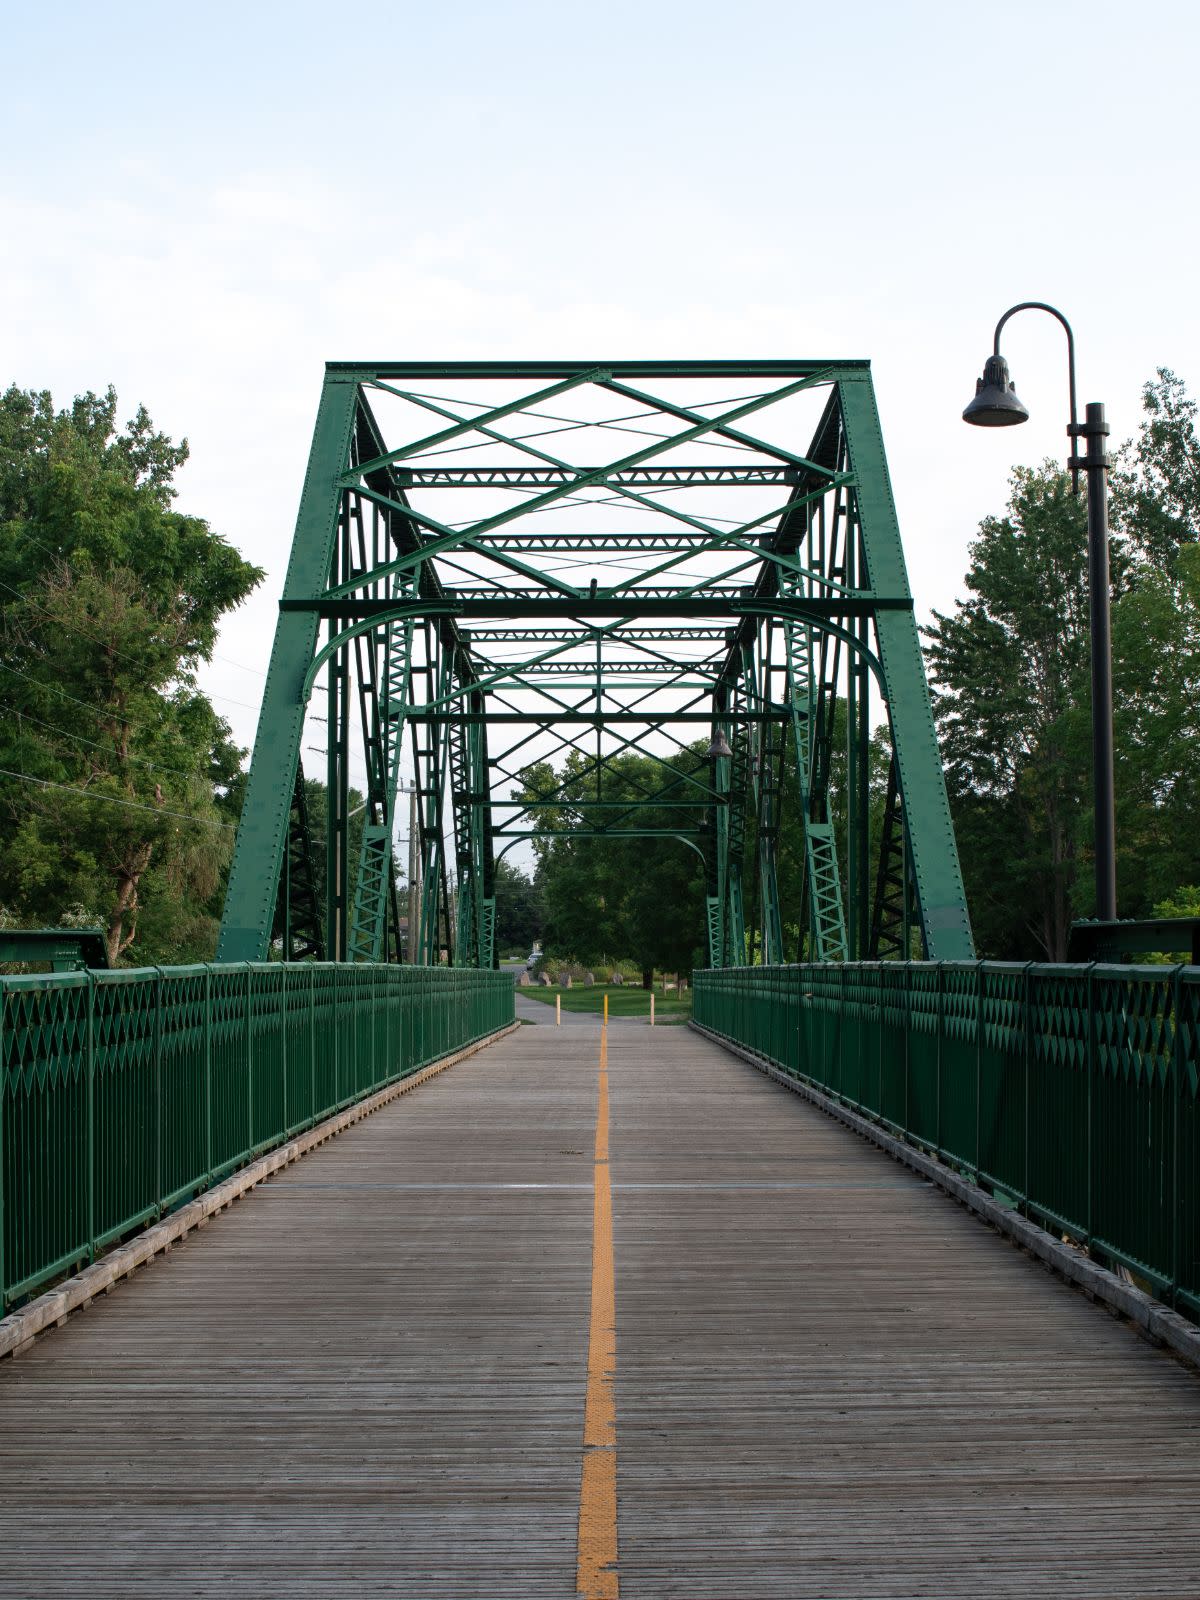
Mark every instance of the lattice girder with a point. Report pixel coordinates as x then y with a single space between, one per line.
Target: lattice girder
518 561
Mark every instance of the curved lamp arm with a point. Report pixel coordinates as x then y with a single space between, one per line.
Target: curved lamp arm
1073 430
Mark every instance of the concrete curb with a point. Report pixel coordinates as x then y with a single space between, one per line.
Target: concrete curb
1157 1321
50 1310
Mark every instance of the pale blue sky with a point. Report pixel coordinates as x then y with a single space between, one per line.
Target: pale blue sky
202 206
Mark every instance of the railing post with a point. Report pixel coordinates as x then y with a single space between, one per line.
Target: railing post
208 1087
1177 1069
248 1059
158 1092
283 1045
336 1041
1027 1007
3 1161
91 1116
907 1047
1090 1218
940 1034
978 1056
312 1043
878 1009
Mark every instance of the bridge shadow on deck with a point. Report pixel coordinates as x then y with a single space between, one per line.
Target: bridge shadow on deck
369 1378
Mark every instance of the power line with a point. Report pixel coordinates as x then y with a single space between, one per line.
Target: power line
120 654
88 705
71 568
112 800
142 761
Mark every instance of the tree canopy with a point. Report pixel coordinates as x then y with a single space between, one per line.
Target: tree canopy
112 762
1013 694
519 919
619 894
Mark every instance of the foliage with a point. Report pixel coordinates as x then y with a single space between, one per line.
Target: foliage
1185 902
1011 668
518 909
1156 491
113 759
617 891
1010 672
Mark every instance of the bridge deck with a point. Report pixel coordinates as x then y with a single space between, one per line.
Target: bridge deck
369 1378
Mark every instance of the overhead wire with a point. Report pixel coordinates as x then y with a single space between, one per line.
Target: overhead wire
77 738
70 566
112 800
120 654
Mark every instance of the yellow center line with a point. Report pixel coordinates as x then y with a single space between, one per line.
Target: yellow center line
597 1544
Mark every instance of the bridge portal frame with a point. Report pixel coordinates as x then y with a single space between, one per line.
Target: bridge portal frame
775 631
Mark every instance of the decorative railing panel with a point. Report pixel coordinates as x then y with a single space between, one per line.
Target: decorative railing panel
123 1094
1069 1091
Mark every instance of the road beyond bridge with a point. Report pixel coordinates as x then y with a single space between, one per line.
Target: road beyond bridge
370 1378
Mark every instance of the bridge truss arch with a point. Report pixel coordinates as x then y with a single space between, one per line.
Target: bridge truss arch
502 563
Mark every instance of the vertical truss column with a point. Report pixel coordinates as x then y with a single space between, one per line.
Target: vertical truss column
936 874
717 857
766 746
474 943
811 711
858 750
303 936
739 792
262 830
386 704
890 919
432 761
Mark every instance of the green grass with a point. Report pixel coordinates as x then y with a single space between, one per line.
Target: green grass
624 1000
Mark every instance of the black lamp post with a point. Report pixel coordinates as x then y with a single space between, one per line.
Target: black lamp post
996 406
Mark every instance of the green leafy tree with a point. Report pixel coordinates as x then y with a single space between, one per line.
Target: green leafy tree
519 919
113 761
1010 671
615 894
1156 491
1013 695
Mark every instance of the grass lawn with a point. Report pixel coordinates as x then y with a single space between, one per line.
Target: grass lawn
624 1000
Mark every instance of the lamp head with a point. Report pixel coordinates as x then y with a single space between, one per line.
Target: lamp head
719 747
995 404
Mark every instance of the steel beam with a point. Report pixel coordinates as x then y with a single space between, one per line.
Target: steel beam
780 635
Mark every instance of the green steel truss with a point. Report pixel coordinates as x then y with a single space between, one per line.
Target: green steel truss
497 564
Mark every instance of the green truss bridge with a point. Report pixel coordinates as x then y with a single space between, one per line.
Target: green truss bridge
599 1309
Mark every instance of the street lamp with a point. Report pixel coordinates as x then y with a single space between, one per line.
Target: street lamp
996 406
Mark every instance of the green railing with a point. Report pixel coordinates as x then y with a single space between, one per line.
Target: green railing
122 1094
1070 1091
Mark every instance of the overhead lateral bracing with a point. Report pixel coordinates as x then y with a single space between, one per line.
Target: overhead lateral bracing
498 565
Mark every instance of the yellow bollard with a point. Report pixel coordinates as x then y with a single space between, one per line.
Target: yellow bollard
558 1011
652 1008
606 1011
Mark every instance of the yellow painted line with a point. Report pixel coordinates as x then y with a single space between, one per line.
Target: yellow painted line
596 1577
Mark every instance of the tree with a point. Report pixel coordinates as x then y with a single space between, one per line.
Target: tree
618 894
1012 692
112 759
1156 491
1156 649
1010 685
519 916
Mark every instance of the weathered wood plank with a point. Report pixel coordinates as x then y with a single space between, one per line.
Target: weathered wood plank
831 1381
368 1378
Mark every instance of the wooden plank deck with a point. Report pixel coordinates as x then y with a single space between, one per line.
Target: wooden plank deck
369 1378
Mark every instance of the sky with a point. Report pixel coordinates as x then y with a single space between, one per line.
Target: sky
202 205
